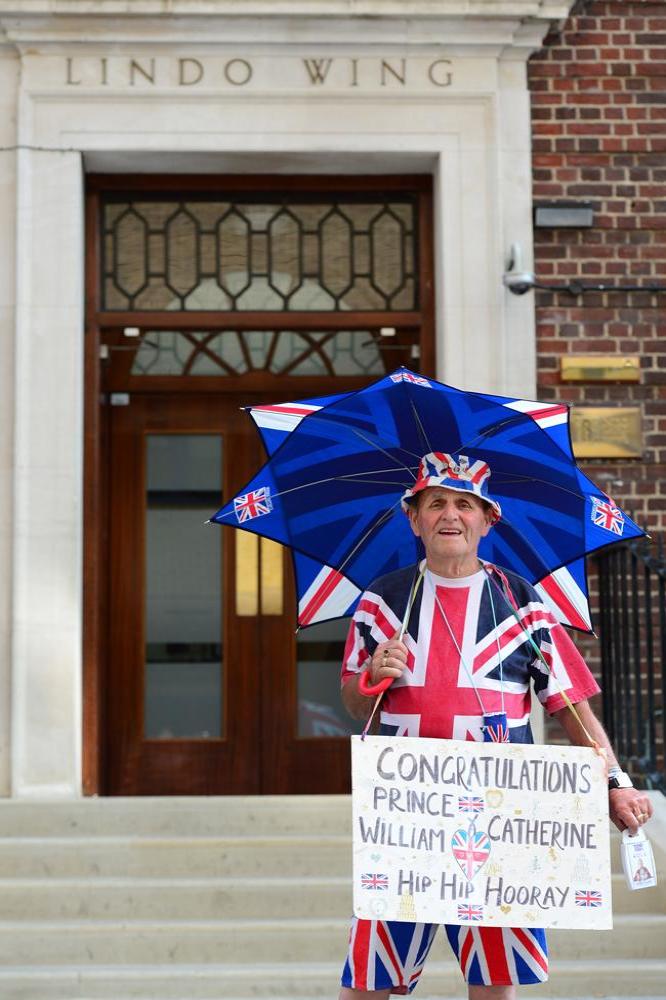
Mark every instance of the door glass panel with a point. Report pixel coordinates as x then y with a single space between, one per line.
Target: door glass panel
320 709
183 672
230 353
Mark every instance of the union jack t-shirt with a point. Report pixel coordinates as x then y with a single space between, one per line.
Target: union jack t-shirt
443 694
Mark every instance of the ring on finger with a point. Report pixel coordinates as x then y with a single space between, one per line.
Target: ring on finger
385 655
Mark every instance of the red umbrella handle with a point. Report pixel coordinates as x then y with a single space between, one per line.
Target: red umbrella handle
368 689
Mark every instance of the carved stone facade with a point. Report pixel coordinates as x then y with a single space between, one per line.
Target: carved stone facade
190 87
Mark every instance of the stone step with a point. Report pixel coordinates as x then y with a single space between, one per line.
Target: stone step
62 857
573 980
190 818
652 900
132 942
213 816
43 899
153 898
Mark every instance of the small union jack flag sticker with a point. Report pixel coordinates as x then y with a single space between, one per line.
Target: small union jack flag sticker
373 881
470 804
254 504
588 897
467 911
606 515
410 377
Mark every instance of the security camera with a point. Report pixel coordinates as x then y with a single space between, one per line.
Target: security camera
519 282
515 279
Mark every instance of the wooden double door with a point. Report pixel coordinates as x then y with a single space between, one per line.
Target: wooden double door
205 294
208 688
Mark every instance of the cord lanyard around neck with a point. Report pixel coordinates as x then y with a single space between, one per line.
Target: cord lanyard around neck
418 579
459 651
549 668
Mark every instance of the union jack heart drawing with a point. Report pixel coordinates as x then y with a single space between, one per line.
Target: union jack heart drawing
471 851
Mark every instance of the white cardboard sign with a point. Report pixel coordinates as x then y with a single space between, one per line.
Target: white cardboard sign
503 835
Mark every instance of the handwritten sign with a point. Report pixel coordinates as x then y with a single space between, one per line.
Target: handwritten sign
454 832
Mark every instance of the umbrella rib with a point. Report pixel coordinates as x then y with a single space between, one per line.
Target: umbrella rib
313 417
386 516
379 482
529 545
419 426
384 452
370 472
491 430
322 482
543 482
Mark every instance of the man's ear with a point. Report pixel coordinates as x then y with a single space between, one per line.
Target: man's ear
488 525
411 514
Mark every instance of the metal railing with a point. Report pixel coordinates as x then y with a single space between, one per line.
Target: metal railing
632 625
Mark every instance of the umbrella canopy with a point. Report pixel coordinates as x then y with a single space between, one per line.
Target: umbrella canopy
332 486
325 594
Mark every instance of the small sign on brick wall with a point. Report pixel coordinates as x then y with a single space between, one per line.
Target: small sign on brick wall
606 431
455 832
600 368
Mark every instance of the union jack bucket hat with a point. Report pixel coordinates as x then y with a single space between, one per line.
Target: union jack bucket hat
454 472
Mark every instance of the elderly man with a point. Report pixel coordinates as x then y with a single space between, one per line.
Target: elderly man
466 661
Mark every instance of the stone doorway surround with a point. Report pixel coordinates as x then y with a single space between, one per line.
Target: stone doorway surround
277 86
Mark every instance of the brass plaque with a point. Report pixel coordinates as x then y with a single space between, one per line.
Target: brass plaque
606 431
600 368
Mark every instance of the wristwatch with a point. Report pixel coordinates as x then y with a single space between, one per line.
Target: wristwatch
617 778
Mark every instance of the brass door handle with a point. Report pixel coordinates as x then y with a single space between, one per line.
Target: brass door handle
259 569
247 574
272 586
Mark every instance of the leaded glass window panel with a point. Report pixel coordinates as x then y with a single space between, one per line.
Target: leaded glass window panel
251 255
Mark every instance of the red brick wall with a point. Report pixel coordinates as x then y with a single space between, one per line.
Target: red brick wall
599 134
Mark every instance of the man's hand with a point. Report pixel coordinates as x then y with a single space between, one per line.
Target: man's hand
390 665
629 807
388 660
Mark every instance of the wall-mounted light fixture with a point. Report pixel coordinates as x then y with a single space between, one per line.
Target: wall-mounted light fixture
563 215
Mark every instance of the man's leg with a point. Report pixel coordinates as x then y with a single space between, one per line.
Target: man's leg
347 994
474 993
501 954
384 957
491 992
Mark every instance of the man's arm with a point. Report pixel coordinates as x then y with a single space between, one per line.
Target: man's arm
625 805
356 703
388 660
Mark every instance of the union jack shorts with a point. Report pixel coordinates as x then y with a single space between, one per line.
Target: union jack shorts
391 954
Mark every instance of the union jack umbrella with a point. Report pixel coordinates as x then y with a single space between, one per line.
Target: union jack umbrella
339 464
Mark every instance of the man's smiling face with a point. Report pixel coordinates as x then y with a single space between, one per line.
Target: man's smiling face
450 523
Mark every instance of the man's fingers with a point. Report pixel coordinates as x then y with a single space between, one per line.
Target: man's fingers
630 808
397 649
